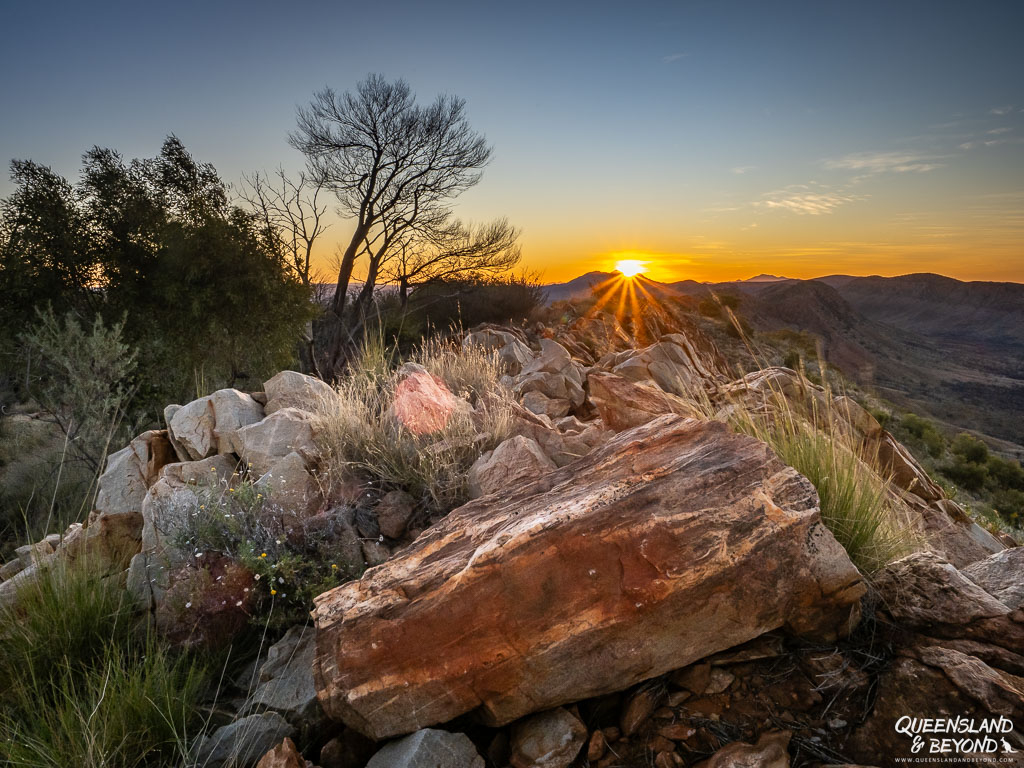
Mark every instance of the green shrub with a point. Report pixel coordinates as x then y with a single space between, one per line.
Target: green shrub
921 432
970 449
1009 503
1005 473
966 474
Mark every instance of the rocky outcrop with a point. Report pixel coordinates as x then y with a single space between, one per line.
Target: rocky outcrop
678 532
284 755
208 425
623 404
511 351
1001 575
514 462
291 389
130 472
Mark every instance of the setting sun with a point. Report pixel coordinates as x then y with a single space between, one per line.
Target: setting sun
631 267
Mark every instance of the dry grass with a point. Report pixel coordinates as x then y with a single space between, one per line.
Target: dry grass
357 430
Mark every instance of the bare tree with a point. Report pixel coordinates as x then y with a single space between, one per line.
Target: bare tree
292 213
454 252
394 166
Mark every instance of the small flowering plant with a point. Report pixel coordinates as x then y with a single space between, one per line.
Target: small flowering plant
290 565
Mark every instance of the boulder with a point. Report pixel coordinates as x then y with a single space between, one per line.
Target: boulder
665 364
539 403
769 752
941 684
291 488
285 682
623 404
284 755
1001 575
208 425
562 447
131 471
563 392
925 593
266 442
515 461
394 511
429 748
291 389
549 739
242 743
176 495
678 532
512 352
423 404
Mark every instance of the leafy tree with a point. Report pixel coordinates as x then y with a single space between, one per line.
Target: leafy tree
969 448
155 243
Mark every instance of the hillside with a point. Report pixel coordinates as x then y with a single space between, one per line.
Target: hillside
931 344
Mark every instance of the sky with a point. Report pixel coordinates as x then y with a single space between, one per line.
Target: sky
711 140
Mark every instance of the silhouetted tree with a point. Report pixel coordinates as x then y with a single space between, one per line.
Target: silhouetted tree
454 253
395 167
292 213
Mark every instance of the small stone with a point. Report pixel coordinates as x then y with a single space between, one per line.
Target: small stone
429 748
694 678
394 512
596 746
720 681
549 739
638 709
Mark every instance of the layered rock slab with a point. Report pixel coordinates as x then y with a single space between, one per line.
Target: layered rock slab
673 541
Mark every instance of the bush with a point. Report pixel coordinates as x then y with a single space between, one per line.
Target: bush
970 449
966 474
922 433
1005 473
358 431
82 377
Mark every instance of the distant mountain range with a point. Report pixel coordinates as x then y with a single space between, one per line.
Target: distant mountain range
951 349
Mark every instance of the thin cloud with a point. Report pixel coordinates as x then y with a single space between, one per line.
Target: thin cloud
883 162
806 200
1001 110
673 57
997 131
741 169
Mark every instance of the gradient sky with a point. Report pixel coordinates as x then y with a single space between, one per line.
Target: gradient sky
715 140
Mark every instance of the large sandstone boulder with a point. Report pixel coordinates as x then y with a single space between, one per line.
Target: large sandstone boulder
291 488
131 471
1001 575
291 389
623 404
512 352
266 442
423 404
208 425
673 541
177 494
515 461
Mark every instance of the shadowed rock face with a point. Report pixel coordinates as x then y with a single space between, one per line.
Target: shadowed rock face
673 541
